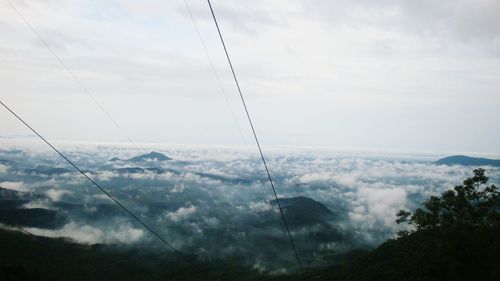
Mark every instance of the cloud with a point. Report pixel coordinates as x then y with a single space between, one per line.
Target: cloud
260 206
3 168
315 177
375 206
102 197
217 202
212 222
41 204
357 63
125 234
56 194
88 234
181 213
107 175
17 186
462 19
178 188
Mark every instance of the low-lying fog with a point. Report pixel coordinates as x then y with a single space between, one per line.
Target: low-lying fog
216 202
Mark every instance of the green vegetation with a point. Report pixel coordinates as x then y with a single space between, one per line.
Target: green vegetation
469 207
23 257
461 230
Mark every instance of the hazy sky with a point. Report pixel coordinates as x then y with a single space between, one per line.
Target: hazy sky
418 75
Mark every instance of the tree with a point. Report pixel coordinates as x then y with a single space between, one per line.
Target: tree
472 205
461 229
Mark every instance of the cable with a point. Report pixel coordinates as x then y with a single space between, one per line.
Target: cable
71 73
217 77
25 231
87 91
143 224
256 138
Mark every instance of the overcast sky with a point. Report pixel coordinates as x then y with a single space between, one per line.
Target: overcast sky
413 75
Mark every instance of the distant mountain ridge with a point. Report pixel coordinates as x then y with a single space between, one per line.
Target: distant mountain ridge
45 170
467 161
153 155
139 170
8 194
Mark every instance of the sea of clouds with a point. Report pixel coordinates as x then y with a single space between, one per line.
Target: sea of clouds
215 201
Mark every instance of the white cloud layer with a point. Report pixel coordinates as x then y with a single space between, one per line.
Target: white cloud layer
216 201
181 213
88 234
56 195
3 168
17 186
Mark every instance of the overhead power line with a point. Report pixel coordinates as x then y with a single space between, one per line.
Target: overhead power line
24 231
67 69
255 136
115 123
212 67
130 213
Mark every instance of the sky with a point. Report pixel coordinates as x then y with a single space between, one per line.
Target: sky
410 75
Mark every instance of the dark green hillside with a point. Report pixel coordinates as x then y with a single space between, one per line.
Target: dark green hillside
35 217
23 257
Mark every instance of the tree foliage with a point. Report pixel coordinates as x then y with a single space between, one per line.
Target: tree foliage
471 206
460 230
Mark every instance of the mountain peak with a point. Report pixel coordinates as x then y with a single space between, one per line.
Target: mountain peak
153 155
467 161
303 210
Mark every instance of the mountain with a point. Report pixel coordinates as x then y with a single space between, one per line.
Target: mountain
130 170
9 194
138 170
11 199
13 213
43 170
12 204
27 258
467 161
225 179
35 217
417 257
153 155
302 210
